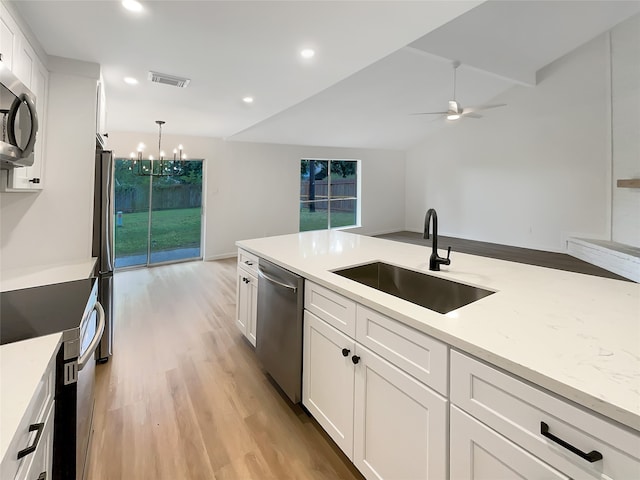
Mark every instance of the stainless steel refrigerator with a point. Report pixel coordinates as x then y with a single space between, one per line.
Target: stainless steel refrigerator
103 242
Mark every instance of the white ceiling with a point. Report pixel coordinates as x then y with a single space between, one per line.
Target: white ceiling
359 89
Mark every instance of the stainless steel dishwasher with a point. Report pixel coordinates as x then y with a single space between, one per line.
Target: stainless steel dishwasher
279 329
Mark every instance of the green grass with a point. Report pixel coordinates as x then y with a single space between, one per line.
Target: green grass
318 220
170 229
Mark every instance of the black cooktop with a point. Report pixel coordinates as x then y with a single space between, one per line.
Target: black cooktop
38 311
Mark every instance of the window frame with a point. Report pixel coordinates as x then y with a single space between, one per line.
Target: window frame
357 198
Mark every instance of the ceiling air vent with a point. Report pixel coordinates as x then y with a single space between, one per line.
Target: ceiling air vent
169 79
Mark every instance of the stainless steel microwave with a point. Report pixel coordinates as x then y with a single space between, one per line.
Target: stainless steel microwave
19 121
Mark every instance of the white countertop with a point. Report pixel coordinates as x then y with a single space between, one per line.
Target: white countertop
573 334
22 365
45 274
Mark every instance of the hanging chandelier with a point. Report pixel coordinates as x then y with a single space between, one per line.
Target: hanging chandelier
160 167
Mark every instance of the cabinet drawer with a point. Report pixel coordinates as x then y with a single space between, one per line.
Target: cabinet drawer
248 261
414 352
40 461
333 308
518 410
479 452
36 412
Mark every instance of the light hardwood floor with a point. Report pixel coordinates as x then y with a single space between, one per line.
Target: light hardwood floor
184 396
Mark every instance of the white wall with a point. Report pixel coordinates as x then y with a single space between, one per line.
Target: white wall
252 189
54 226
625 55
528 174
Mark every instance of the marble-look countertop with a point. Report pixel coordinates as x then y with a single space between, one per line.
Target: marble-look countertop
22 365
573 334
36 276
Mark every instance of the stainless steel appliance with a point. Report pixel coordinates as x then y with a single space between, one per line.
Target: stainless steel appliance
73 309
19 121
279 332
102 247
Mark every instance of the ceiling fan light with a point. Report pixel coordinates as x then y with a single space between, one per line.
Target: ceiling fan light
455 116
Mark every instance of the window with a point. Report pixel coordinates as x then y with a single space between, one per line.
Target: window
329 194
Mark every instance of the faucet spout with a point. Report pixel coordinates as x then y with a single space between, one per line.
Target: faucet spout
434 260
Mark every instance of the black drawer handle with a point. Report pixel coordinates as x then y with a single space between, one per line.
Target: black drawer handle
355 359
345 352
42 476
592 456
36 426
248 263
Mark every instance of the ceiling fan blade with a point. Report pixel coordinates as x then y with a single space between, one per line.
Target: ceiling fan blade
484 107
429 113
471 115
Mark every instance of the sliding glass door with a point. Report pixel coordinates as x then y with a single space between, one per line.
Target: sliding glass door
158 218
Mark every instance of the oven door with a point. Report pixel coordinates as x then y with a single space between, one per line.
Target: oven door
91 332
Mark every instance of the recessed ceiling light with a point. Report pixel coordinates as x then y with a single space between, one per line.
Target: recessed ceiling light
132 5
247 99
307 53
130 80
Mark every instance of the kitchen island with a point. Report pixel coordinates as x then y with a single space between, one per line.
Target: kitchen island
576 336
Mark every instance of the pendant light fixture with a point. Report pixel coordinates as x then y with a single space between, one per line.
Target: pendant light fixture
160 167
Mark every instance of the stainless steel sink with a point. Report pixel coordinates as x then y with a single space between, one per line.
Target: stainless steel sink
425 290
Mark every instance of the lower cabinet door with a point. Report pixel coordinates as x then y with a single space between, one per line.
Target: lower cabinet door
252 300
479 453
242 305
327 380
400 424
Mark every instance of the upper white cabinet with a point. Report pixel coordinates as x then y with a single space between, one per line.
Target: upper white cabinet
19 56
9 38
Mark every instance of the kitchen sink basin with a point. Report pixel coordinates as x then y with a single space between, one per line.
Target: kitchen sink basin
431 292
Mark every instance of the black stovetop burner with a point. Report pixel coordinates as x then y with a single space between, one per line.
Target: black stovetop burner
38 311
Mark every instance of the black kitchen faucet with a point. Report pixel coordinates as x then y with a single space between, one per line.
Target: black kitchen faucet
434 260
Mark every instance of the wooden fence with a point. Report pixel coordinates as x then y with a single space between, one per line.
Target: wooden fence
165 197
340 188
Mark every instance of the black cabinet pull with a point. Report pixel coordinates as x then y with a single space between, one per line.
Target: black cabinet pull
248 262
592 456
34 180
345 352
355 359
39 427
42 476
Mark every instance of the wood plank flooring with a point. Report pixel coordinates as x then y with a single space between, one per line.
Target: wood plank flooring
184 396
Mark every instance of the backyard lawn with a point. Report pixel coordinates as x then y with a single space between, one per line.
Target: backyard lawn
170 229
318 220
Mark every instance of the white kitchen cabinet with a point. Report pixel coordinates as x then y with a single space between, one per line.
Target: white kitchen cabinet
20 57
328 379
39 465
578 443
390 424
247 295
9 38
22 460
400 424
479 453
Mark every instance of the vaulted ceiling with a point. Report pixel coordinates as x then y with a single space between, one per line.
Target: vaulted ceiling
376 62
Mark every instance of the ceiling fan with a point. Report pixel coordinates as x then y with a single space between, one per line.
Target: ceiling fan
455 110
